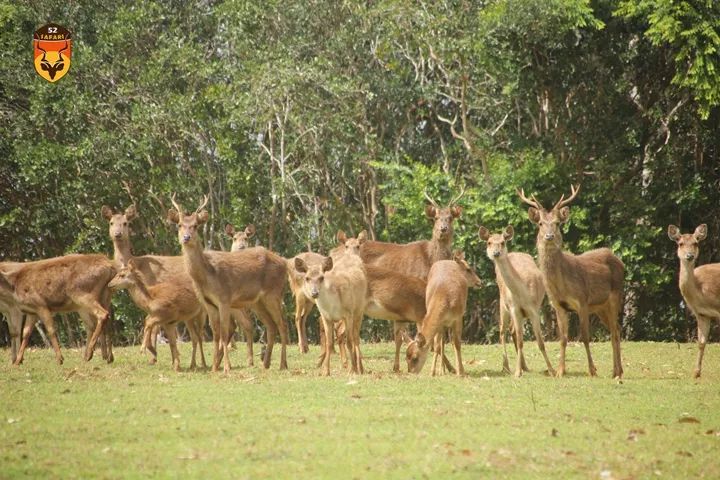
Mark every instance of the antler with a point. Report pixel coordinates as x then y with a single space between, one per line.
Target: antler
62 49
454 200
433 202
206 199
177 207
573 193
532 201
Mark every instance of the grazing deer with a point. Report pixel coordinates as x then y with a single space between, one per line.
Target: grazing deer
153 268
241 317
254 278
445 304
700 286
588 283
521 294
339 287
73 283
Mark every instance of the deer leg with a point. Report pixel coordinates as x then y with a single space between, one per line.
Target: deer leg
612 322
102 317
328 343
191 327
342 339
274 308
147 345
585 337
27 331
703 331
171 332
504 321
15 319
242 317
562 325
537 330
214 318
303 306
518 339
270 332
49 323
224 324
438 351
398 329
456 337
202 319
357 323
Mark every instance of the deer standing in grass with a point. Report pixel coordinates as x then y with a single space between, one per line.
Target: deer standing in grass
521 294
590 283
445 304
153 269
254 278
339 288
303 304
73 283
166 304
700 286
241 317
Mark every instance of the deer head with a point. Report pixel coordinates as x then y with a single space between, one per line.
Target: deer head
188 224
549 222
241 239
351 245
314 275
53 67
119 222
443 217
125 277
497 242
417 353
473 281
688 244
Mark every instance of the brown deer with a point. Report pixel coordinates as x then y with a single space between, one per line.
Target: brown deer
521 294
254 278
590 283
153 268
339 288
241 317
445 304
700 286
303 304
166 304
73 283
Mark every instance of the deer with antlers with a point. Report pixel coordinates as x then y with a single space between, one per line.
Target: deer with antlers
154 269
73 283
445 304
253 277
521 294
700 286
590 283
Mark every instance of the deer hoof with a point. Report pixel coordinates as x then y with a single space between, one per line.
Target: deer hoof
518 373
696 373
560 373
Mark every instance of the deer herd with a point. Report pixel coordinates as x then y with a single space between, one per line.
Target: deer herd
423 282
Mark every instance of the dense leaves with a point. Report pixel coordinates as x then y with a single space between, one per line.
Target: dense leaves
306 117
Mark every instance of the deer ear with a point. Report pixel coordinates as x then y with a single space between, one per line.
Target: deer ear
405 337
203 216
564 214
229 230
456 211
534 215
300 265
483 233
173 216
131 264
420 340
250 230
430 212
700 232
327 264
106 212
130 213
362 236
673 233
508 233
341 237
458 255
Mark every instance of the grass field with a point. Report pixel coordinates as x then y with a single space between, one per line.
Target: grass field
131 419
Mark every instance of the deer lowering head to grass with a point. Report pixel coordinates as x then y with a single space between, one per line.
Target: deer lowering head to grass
339 287
253 277
153 268
700 286
166 304
521 294
73 283
445 304
590 283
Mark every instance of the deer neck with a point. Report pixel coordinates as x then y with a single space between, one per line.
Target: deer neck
195 262
510 276
440 249
121 250
551 258
140 295
688 282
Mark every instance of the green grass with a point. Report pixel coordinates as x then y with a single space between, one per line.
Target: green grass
131 419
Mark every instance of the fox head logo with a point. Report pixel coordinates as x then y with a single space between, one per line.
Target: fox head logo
52 47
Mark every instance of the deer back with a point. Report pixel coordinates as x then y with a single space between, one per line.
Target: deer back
344 289
447 290
531 288
414 259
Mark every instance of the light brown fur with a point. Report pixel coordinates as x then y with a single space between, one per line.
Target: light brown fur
590 283
700 286
521 294
445 302
254 278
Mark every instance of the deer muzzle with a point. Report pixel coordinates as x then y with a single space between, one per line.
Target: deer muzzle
496 253
690 256
314 293
186 238
549 236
